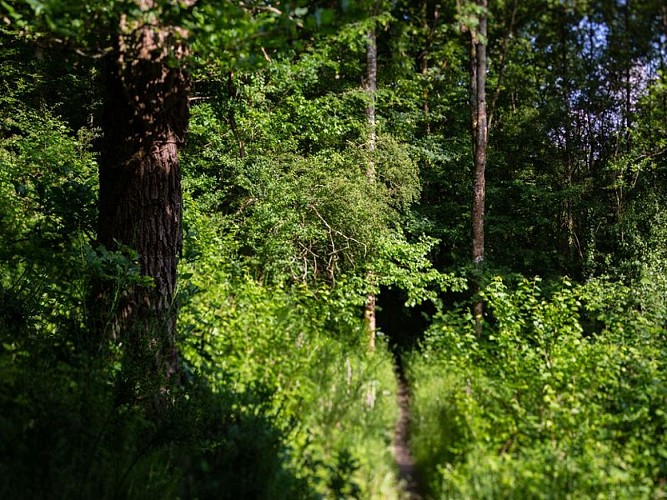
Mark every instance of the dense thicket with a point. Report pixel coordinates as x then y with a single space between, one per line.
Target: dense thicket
330 157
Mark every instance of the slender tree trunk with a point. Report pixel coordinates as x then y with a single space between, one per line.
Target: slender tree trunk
371 89
568 156
145 121
478 67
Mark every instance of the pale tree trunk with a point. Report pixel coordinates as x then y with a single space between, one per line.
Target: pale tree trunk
371 90
145 121
478 66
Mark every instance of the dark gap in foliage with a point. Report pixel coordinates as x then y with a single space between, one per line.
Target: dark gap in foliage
404 326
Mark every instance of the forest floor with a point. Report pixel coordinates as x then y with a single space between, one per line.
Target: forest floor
407 473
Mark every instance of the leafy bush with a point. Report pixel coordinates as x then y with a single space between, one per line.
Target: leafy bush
563 396
288 353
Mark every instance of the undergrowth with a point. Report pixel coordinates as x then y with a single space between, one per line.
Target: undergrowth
563 396
294 354
279 396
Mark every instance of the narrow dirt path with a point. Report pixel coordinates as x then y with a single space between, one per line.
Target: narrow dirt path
407 473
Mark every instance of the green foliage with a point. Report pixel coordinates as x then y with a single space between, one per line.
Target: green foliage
63 432
44 167
280 400
302 179
562 396
288 352
405 266
286 234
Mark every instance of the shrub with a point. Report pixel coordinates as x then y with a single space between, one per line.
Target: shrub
562 396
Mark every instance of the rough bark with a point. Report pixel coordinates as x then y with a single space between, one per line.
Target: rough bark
145 121
478 66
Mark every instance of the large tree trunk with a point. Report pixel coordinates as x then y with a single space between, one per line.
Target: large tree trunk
478 66
145 121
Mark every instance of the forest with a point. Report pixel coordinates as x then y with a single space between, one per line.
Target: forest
323 249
